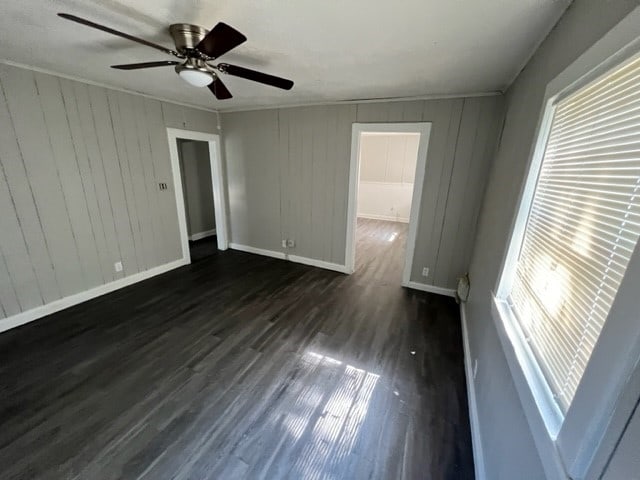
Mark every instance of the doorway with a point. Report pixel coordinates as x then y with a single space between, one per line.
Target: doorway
197 189
385 190
197 177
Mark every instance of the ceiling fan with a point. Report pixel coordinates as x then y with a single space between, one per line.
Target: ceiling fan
196 48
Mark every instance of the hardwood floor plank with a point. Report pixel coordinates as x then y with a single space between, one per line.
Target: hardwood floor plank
242 366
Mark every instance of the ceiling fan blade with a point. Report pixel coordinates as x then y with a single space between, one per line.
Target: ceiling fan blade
256 76
219 90
220 40
136 66
91 24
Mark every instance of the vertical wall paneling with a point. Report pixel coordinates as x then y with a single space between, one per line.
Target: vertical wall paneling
304 222
18 217
44 176
154 177
148 175
347 115
124 170
26 180
319 185
159 151
462 159
440 113
488 125
17 271
412 111
199 120
173 116
79 173
8 300
283 171
59 133
440 173
295 173
100 258
372 112
50 104
99 182
254 189
262 219
331 194
139 186
114 184
311 149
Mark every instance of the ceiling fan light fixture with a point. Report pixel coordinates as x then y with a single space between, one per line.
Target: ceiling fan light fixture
197 78
195 46
196 73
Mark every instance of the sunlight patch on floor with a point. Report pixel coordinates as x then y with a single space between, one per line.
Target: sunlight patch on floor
329 437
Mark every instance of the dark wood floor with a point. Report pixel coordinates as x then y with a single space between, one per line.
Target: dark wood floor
203 249
241 366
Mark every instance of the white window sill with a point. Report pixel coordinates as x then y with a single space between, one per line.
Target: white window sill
542 414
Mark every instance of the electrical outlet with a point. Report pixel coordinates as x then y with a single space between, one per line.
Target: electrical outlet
291 243
475 368
284 243
425 272
118 266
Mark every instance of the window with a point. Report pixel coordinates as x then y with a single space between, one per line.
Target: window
581 228
566 303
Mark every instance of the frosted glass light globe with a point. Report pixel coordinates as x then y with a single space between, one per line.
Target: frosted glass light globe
196 78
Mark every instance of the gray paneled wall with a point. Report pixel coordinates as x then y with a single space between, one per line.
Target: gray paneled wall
80 167
625 462
288 173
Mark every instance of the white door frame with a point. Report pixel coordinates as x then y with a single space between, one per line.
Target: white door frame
217 180
424 129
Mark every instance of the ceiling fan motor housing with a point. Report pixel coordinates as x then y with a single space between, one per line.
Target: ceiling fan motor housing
186 36
195 46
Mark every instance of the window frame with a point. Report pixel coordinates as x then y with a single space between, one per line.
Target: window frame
577 444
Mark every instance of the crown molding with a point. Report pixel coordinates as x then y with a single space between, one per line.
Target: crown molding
364 100
254 108
103 85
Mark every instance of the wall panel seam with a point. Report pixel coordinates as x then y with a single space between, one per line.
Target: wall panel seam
38 278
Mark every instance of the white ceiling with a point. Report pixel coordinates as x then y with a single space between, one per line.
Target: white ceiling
332 49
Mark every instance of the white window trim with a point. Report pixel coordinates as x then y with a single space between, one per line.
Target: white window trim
578 444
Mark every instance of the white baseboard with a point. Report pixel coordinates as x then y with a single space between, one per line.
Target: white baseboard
449 292
71 300
258 251
476 440
200 235
293 258
332 266
388 218
319 263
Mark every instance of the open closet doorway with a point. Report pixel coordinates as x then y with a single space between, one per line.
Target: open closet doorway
197 175
197 189
385 191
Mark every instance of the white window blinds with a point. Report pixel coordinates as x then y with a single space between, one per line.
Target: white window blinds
582 228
